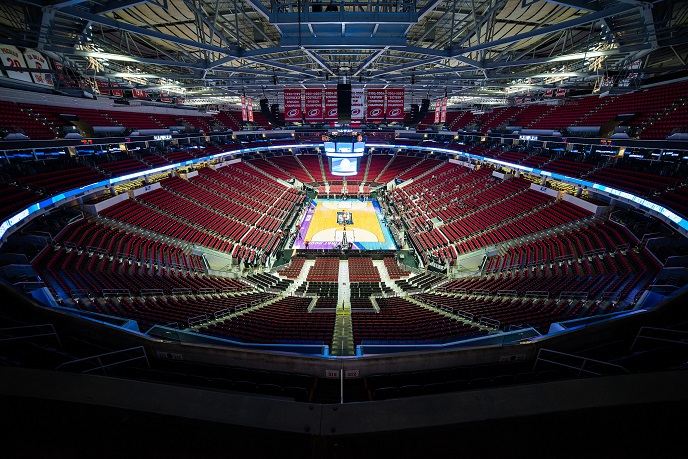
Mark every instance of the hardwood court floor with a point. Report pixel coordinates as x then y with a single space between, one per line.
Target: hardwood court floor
324 222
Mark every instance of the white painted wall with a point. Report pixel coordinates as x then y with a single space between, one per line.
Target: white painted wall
145 189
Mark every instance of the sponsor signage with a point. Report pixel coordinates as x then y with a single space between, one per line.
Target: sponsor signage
292 105
313 105
375 110
138 93
395 105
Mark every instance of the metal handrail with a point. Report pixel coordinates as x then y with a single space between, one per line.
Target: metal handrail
14 338
580 369
103 366
664 330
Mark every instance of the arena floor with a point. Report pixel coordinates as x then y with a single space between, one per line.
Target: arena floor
367 230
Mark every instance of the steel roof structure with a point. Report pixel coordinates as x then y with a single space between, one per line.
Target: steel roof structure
473 51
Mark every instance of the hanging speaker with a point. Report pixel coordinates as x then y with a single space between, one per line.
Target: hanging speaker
414 111
344 103
267 112
420 114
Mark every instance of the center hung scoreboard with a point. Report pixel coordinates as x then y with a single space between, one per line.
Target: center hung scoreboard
344 155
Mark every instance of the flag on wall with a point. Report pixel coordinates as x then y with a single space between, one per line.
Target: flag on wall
35 60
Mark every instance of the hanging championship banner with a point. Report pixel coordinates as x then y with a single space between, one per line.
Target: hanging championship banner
375 110
437 111
357 104
443 114
35 60
12 57
395 105
331 112
244 115
292 105
249 108
138 93
313 105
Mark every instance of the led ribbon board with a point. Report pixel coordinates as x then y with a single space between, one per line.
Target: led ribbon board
355 153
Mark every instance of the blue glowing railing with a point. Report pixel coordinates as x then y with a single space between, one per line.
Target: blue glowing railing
661 210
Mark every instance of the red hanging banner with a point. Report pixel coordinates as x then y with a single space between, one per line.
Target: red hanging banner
357 105
249 108
549 93
375 110
443 114
331 113
244 115
395 105
292 105
138 93
313 105
561 92
437 111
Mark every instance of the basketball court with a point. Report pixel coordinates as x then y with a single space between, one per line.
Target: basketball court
329 222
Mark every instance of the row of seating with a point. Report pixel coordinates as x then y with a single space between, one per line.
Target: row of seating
361 269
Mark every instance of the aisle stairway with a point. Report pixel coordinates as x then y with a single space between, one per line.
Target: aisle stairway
342 338
386 280
301 279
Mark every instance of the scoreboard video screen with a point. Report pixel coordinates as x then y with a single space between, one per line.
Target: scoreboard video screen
343 155
343 166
